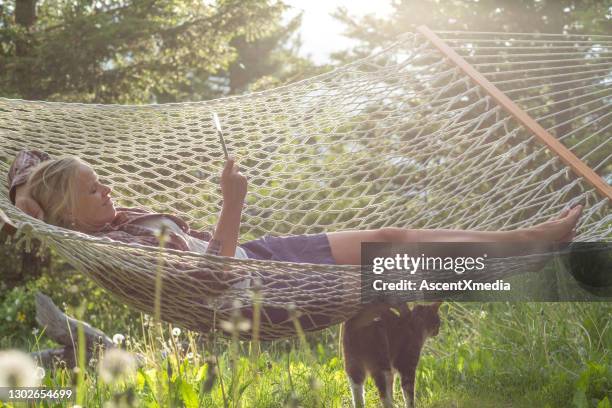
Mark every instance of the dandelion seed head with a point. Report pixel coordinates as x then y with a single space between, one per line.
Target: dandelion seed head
176 332
115 365
227 326
17 369
40 373
243 325
291 307
257 285
118 339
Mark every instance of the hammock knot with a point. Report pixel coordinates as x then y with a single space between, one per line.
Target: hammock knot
23 236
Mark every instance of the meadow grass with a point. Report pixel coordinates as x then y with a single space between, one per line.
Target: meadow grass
491 354
498 354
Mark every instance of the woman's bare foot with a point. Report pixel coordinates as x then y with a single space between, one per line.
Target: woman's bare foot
558 229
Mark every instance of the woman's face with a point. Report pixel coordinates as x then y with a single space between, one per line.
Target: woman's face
94 206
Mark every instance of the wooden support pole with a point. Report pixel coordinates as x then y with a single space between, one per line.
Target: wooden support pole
569 158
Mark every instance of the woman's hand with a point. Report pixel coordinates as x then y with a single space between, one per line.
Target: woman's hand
233 185
27 204
234 188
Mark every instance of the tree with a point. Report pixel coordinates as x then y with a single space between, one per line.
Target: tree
267 61
557 101
126 51
138 51
530 16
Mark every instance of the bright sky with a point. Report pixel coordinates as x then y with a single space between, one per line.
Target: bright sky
322 34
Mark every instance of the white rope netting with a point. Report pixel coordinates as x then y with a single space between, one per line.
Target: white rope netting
400 139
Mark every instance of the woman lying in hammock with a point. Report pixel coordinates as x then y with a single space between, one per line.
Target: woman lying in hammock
66 192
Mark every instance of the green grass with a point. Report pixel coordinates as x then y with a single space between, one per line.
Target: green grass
486 355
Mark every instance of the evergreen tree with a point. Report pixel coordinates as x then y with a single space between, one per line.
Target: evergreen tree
129 51
513 16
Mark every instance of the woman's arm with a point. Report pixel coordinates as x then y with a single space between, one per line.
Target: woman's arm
19 173
234 188
225 237
20 170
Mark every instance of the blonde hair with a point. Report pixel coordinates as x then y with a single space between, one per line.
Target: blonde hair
53 184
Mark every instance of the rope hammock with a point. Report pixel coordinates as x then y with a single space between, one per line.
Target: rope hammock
439 130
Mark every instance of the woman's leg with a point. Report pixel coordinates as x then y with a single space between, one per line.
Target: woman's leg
346 245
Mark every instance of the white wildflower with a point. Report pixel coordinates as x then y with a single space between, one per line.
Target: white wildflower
118 339
17 369
227 326
176 332
115 365
237 325
40 373
243 325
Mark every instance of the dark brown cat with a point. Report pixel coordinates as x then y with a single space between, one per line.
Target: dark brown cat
376 342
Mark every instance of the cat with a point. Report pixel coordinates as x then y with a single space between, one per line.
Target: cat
384 338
